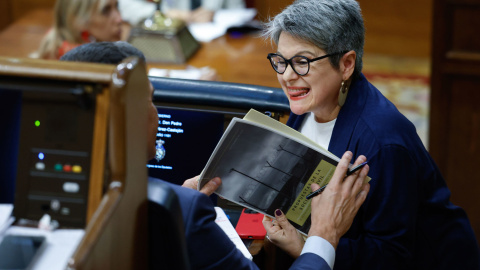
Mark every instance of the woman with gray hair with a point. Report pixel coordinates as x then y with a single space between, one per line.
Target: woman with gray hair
407 221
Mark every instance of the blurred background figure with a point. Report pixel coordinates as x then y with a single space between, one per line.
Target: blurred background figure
80 21
190 11
197 11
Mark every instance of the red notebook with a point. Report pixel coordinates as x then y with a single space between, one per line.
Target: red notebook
250 225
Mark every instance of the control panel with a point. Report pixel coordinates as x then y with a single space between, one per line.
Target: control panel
54 158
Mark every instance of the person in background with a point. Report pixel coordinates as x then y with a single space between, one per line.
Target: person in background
407 221
80 21
198 11
190 11
208 246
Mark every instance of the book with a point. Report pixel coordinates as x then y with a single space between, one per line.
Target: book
265 165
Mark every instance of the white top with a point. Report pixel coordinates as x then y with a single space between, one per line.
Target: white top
321 133
321 247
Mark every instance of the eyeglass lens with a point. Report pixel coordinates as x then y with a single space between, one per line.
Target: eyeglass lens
299 64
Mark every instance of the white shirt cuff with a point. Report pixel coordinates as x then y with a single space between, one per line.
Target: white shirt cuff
321 247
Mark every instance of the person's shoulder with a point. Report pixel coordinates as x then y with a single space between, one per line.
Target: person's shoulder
380 120
154 183
191 201
378 107
309 261
381 112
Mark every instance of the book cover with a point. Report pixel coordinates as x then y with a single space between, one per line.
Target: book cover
265 165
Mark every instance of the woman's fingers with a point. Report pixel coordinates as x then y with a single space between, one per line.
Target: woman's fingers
351 179
341 170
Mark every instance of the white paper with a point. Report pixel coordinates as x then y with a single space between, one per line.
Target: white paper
225 224
190 73
222 20
6 218
59 247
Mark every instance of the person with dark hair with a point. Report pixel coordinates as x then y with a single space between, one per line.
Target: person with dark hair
103 52
208 246
407 221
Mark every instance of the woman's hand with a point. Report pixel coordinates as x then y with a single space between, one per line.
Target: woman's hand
208 189
201 15
335 208
281 233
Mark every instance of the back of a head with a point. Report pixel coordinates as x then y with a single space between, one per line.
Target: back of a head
103 52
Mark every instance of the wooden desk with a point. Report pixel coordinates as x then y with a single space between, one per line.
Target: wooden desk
24 35
239 60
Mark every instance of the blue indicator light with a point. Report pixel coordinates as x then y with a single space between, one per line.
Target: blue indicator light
41 156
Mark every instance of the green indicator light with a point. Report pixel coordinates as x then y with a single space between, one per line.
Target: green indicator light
37 123
58 167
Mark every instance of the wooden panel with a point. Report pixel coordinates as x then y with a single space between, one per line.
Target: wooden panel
394 27
22 7
36 68
465 25
463 145
398 27
98 153
5 16
270 8
455 114
116 237
23 36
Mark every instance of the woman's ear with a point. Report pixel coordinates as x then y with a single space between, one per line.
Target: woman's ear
347 64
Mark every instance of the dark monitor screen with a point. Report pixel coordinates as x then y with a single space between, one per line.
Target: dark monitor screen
188 138
10 109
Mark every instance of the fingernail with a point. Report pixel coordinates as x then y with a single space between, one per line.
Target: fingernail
216 181
278 212
348 154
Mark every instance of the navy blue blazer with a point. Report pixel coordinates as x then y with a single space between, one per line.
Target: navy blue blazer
209 247
407 220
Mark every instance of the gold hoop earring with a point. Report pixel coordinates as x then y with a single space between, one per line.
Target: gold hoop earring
342 95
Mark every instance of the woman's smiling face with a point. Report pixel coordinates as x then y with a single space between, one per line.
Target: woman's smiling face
317 91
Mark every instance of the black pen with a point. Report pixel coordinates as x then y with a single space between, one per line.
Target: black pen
349 172
356 168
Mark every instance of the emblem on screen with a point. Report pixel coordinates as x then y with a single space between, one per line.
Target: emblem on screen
160 150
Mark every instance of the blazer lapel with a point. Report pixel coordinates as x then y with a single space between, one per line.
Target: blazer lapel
349 116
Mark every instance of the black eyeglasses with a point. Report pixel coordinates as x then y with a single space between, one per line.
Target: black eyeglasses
299 63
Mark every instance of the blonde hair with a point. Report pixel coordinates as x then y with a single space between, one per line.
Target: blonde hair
70 16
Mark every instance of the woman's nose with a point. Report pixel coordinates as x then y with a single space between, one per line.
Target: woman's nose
289 74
